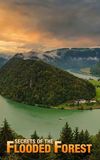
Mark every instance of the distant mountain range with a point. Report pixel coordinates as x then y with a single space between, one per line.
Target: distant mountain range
3 59
72 59
33 81
95 70
68 59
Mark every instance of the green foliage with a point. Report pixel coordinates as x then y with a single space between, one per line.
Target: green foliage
35 136
76 135
96 148
35 82
6 134
67 136
96 83
12 157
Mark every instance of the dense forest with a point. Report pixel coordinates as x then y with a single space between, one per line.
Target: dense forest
67 136
95 70
36 82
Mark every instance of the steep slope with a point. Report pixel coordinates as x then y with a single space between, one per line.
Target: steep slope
36 82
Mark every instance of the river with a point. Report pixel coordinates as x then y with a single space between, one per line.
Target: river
25 119
83 76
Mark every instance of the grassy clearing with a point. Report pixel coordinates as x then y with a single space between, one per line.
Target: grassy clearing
85 106
98 94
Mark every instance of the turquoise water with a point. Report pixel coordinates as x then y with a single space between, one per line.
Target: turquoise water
25 119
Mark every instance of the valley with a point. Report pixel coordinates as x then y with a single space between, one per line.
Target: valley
48 106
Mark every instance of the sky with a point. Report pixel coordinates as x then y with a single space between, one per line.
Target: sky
48 24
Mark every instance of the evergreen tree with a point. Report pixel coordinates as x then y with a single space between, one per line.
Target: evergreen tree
87 138
66 135
81 137
84 138
76 135
96 148
35 136
6 134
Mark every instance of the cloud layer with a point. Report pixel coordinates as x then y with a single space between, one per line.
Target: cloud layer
47 24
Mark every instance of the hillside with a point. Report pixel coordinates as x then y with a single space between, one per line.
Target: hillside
36 82
95 70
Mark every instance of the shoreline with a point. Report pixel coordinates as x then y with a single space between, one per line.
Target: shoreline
61 107
78 107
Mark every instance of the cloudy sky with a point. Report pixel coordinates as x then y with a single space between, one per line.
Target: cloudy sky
48 24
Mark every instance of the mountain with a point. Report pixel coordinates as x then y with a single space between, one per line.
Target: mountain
95 70
73 59
69 59
3 59
33 81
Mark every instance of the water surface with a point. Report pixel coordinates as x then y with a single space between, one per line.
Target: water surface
25 119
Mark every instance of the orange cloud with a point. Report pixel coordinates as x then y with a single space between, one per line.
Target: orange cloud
18 32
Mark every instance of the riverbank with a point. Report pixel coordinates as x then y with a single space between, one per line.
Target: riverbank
25 118
80 107
64 106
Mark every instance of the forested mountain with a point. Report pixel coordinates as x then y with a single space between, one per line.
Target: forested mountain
36 82
95 70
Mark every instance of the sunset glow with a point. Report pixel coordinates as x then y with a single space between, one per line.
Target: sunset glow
47 24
